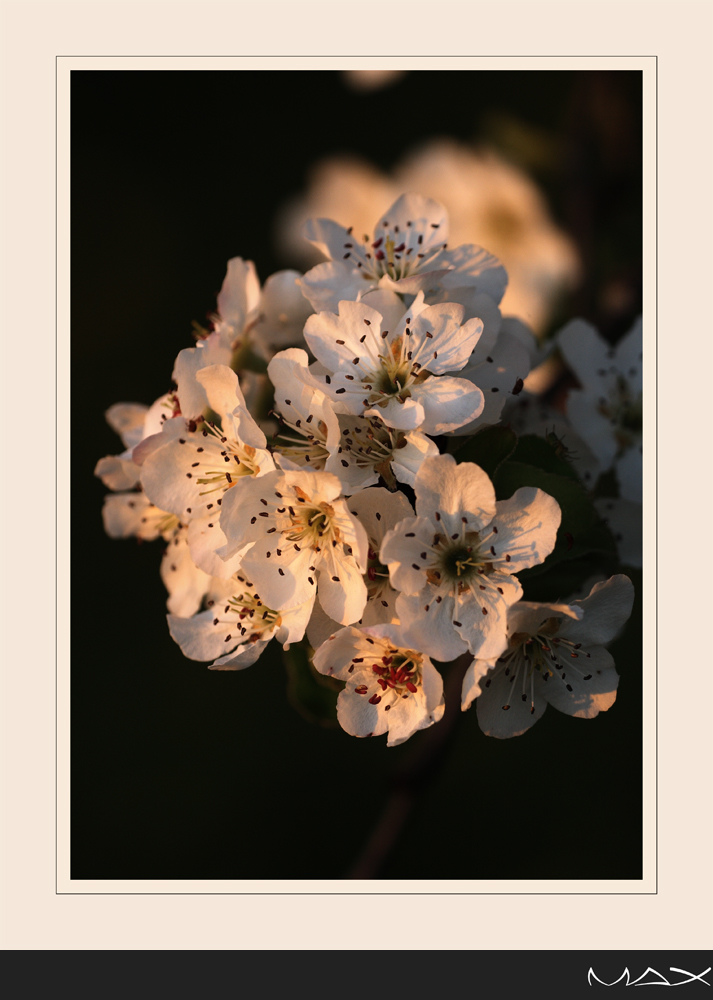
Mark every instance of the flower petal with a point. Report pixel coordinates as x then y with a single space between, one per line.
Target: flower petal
242 510
454 490
281 580
447 403
127 420
283 312
585 698
472 266
500 690
592 426
379 510
186 584
358 717
328 236
127 514
204 539
497 373
244 656
338 340
527 526
629 475
118 472
191 392
326 285
628 354
342 591
240 293
430 631
420 710
606 610
585 351
483 615
407 461
472 685
442 344
199 638
405 415
401 551
320 626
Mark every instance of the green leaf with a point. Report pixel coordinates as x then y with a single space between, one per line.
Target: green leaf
561 581
312 694
607 485
245 359
488 448
537 451
581 529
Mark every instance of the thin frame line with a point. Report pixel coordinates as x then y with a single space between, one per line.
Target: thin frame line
656 563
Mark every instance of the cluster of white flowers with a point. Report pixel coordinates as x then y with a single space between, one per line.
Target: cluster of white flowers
316 535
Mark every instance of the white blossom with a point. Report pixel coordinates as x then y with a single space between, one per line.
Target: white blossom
132 515
390 687
265 319
133 422
378 510
453 562
237 627
407 253
490 202
396 372
499 365
624 520
607 411
555 655
298 534
192 464
247 319
358 450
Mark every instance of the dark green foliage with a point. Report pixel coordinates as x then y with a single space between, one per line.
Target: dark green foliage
488 448
581 530
311 693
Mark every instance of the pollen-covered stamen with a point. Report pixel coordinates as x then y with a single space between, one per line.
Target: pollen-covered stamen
221 460
526 654
395 252
166 523
159 520
399 671
396 672
376 577
545 653
398 370
309 447
173 405
312 524
249 615
510 664
564 656
532 692
369 443
464 563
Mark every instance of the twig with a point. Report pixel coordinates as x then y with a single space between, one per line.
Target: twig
409 781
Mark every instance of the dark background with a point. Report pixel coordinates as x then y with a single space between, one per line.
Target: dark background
181 773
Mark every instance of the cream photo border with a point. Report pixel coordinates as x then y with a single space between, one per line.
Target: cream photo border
668 907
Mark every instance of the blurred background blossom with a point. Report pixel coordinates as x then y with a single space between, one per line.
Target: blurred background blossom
371 79
490 202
